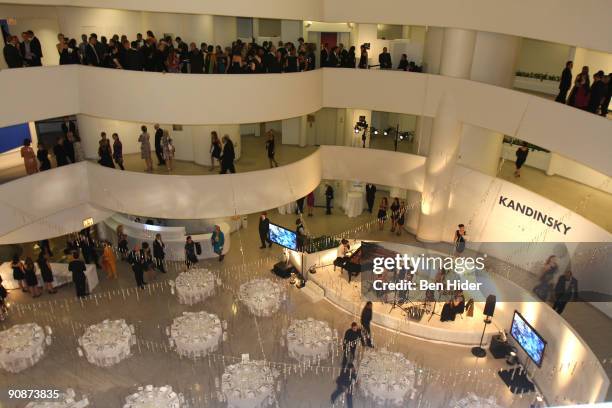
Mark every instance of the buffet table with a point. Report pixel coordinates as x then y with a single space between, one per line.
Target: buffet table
353 206
61 275
107 343
154 397
22 346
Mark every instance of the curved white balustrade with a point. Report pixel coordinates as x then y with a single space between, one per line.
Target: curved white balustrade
560 21
50 203
186 99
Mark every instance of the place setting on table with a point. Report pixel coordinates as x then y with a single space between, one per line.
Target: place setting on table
263 297
107 343
196 334
23 345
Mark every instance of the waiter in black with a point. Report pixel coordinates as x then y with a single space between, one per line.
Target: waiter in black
370 196
159 150
77 267
566 82
349 344
264 230
137 261
158 253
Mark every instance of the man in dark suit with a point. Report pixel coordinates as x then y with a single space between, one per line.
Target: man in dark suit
159 150
599 90
345 384
196 59
77 267
324 55
68 126
370 196
92 56
384 59
133 59
566 82
566 290
352 337
137 261
159 253
264 230
227 156
333 61
271 63
30 49
329 196
12 54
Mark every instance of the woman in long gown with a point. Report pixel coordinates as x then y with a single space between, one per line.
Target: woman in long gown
109 263
18 272
45 271
30 277
105 153
29 157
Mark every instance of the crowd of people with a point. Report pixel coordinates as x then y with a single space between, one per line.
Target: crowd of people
592 97
168 54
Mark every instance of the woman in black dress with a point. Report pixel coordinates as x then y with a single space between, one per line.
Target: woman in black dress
382 213
18 272
45 271
30 277
395 209
106 154
460 239
270 149
521 158
215 149
118 151
190 253
42 155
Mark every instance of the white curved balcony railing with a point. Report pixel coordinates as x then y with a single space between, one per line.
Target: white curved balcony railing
55 202
560 21
40 93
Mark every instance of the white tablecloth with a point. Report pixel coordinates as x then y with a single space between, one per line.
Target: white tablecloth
107 343
65 400
249 384
353 205
61 275
22 346
386 377
194 285
262 297
474 401
309 339
196 334
288 208
154 397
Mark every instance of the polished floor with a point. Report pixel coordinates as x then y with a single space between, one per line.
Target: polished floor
446 372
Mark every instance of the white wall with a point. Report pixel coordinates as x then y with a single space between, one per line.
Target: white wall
542 57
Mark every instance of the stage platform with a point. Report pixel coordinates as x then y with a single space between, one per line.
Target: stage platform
334 287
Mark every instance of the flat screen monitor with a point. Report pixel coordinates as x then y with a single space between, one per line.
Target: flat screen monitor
283 237
528 338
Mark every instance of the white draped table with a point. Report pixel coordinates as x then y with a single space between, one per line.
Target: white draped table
386 377
262 297
474 401
309 339
61 275
353 205
196 334
194 286
65 400
154 397
107 343
289 208
249 384
22 346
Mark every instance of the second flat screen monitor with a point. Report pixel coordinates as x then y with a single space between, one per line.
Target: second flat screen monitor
283 237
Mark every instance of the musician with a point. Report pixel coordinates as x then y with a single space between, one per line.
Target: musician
453 307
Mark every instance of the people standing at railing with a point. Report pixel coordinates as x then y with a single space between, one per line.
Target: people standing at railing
403 64
31 50
12 53
42 154
227 156
61 157
579 95
606 102
384 59
324 55
598 92
566 82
